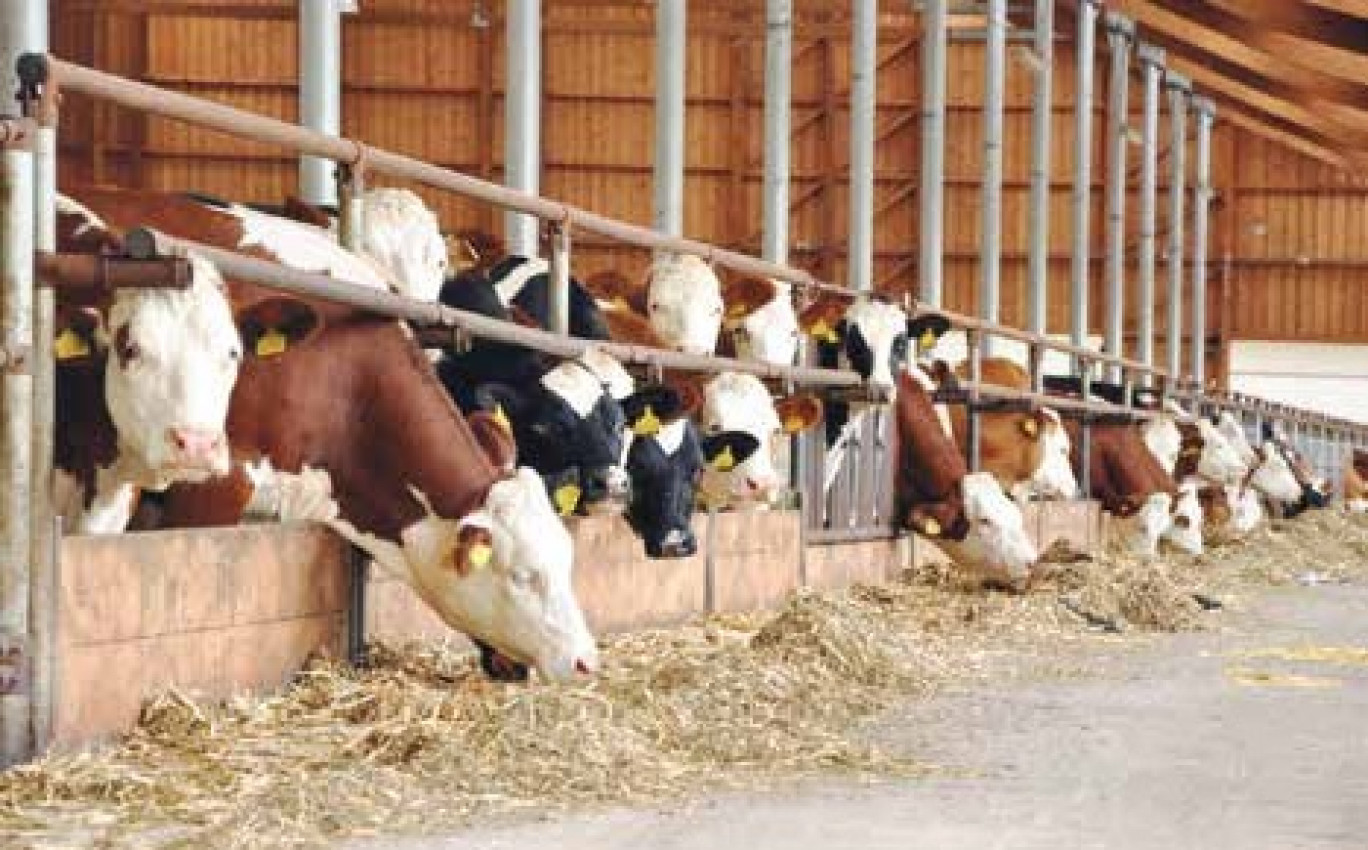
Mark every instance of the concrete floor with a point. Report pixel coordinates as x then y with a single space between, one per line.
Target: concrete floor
1156 748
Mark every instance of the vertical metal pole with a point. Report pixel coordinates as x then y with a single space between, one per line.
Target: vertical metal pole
522 119
1120 35
1152 65
671 33
320 91
778 109
930 244
351 219
1178 91
16 444
560 279
994 81
1082 188
974 449
863 47
1206 115
1038 222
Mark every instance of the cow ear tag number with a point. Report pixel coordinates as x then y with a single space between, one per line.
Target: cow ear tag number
647 424
567 498
724 461
271 343
70 345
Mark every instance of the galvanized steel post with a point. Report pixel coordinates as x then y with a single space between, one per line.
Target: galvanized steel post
778 110
671 35
320 91
16 445
1038 222
930 245
1152 67
990 254
1082 188
1179 90
522 119
560 279
1206 115
1120 36
863 47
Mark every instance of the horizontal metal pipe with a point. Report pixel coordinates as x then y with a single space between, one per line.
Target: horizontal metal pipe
146 241
90 278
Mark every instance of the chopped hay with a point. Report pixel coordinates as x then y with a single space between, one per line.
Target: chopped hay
418 740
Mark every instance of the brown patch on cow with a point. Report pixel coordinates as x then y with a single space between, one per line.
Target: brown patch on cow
929 467
1010 442
298 209
690 395
744 295
1123 471
286 317
522 317
797 413
611 288
1215 506
1190 449
216 502
84 438
630 327
474 547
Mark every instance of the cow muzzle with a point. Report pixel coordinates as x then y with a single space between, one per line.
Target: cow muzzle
677 543
196 450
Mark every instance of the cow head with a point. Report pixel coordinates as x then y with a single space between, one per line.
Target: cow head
1185 522
734 401
873 333
989 536
1272 475
761 319
1054 478
401 233
684 303
1141 522
1220 461
173 360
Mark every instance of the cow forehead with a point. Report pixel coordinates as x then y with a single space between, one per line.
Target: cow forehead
671 436
983 498
737 401
178 321
576 386
610 372
684 277
878 322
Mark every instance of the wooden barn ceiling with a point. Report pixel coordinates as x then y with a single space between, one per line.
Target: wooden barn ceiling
1292 70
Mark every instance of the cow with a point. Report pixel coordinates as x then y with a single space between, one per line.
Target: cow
1313 493
1268 476
142 385
1193 446
966 514
1356 481
427 493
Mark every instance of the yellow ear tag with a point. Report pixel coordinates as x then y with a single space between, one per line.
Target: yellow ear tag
725 460
621 303
736 311
794 424
824 332
647 425
566 498
70 344
1029 427
502 419
927 341
931 528
480 554
271 343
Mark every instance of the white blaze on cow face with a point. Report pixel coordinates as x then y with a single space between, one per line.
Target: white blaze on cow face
173 361
1185 523
770 334
734 401
518 598
1245 511
1054 479
684 303
404 236
1164 440
882 326
997 543
1140 533
1274 477
1235 435
1220 462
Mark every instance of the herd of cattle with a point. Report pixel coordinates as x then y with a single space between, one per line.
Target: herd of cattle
453 468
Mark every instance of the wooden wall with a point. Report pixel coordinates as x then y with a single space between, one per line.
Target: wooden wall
421 79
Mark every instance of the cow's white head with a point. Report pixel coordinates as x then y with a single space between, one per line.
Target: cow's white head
1185 522
1234 434
735 401
1140 532
173 360
501 574
996 544
1220 462
876 340
1273 475
768 332
1245 510
684 303
1054 478
401 233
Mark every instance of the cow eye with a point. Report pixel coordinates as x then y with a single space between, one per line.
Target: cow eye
235 354
655 307
129 350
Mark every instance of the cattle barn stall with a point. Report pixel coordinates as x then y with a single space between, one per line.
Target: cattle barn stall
145 150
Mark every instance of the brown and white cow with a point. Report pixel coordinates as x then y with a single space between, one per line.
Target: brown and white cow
333 388
1356 481
142 387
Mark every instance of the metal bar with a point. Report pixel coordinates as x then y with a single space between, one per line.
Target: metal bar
863 82
671 34
1179 89
1082 188
16 445
1120 36
1152 68
145 242
320 91
931 241
973 345
522 118
91 278
560 280
351 220
1206 114
995 78
1038 222
778 118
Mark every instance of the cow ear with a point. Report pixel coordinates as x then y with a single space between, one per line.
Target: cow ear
273 325
660 402
564 489
798 413
925 331
821 319
494 435
745 295
474 549
472 248
725 450
301 210
613 287
78 333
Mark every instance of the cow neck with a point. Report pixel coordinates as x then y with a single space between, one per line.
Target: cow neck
929 465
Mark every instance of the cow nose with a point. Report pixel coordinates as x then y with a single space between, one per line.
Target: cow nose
678 544
596 483
195 443
582 667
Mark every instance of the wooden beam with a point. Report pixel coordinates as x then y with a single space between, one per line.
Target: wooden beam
1333 27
